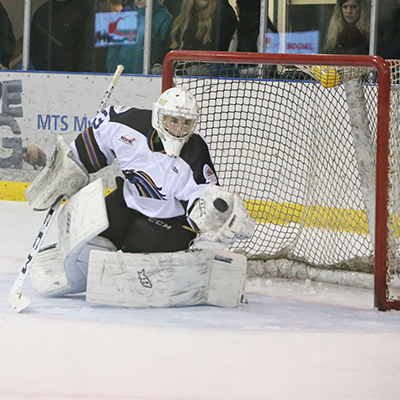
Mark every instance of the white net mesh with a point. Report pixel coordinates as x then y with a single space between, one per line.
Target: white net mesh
287 144
393 257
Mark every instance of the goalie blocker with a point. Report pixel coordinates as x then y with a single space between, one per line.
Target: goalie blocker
221 217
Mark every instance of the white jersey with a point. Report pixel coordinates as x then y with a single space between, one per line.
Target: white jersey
155 184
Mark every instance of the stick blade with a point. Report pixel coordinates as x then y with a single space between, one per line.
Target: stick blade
17 300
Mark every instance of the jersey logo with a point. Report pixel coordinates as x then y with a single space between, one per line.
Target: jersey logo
126 140
144 280
144 184
121 109
160 223
209 175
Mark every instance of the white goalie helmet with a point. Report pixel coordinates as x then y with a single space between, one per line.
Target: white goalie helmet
175 115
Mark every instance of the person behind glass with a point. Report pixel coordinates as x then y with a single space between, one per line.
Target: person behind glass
173 7
391 49
62 36
7 39
108 6
349 28
249 25
131 56
201 25
113 6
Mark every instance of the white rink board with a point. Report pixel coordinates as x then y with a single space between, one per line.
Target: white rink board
36 107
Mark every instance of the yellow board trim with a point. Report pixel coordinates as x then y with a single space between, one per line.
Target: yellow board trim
15 191
337 219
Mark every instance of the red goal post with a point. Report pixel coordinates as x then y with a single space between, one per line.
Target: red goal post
303 84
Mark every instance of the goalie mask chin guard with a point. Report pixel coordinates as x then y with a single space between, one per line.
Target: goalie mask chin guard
175 115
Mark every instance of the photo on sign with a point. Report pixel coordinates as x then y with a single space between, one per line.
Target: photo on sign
116 29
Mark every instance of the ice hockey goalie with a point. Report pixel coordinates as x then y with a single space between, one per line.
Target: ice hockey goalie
160 238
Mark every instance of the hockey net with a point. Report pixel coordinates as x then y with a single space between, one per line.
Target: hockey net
308 142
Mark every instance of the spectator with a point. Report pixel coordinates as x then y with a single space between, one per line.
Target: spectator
173 6
131 56
101 53
113 6
7 39
62 36
392 43
201 25
249 25
349 29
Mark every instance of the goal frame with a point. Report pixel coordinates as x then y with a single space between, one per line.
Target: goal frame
383 119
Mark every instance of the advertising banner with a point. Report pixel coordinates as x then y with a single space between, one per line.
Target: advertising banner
36 107
292 42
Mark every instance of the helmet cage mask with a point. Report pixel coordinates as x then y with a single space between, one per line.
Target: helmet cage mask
175 103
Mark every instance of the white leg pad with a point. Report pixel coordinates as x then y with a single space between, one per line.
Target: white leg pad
53 275
63 270
76 264
82 218
207 277
79 222
48 274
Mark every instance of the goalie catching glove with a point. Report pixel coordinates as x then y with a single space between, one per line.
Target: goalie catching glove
62 176
221 217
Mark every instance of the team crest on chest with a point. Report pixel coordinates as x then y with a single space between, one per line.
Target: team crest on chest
144 184
209 174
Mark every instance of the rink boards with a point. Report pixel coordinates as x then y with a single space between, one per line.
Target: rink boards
37 107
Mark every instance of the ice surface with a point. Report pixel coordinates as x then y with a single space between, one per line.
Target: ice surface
294 340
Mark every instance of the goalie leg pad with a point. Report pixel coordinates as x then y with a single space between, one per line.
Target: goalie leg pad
79 223
47 272
208 277
76 264
63 270
54 276
62 176
82 218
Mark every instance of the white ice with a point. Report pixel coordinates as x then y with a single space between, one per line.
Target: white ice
294 340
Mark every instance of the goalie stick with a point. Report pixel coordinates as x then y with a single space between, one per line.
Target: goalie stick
16 299
110 89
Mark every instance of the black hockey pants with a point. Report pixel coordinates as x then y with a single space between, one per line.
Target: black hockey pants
132 232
